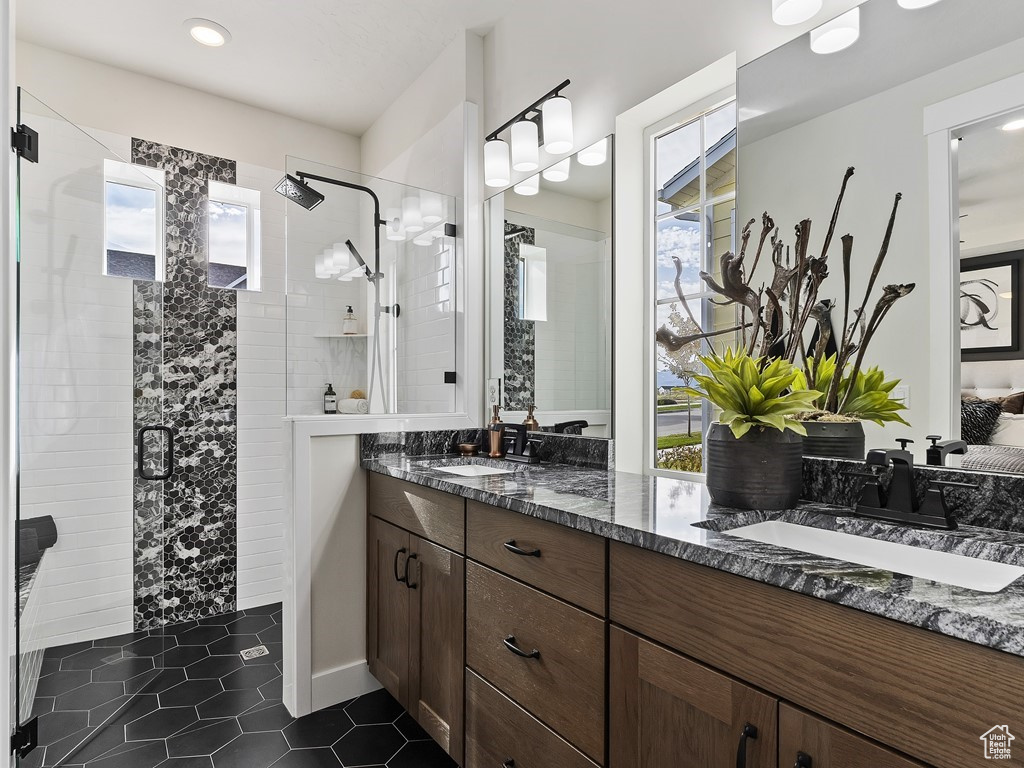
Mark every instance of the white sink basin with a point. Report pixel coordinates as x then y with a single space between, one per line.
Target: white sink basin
473 470
958 570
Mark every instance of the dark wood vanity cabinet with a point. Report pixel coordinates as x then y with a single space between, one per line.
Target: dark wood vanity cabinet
416 615
806 741
667 710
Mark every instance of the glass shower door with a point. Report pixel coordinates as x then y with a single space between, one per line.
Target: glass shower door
93 453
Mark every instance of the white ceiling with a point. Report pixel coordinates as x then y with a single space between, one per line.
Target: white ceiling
991 188
337 63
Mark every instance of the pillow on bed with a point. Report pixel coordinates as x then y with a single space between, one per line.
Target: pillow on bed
978 421
1009 430
1012 403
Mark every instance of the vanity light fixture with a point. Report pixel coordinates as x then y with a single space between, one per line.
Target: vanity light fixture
559 171
785 13
527 187
208 33
394 229
431 208
595 154
1014 125
838 34
412 218
913 5
547 122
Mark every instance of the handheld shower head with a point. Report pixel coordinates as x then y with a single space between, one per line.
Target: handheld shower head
372 276
299 191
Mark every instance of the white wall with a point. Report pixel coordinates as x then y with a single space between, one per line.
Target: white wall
797 173
105 97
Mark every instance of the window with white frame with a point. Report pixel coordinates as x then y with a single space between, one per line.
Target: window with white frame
133 221
693 208
234 237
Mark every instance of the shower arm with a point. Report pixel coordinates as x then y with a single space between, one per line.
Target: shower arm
375 274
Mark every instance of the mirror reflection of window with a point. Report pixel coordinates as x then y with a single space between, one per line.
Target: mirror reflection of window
133 203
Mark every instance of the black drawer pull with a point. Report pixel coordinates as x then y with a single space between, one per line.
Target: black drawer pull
803 760
749 732
408 581
510 763
510 643
510 545
398 578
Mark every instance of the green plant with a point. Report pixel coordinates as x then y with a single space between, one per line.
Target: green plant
869 398
683 458
754 392
675 441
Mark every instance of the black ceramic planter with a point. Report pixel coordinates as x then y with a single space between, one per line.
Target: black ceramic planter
761 470
836 440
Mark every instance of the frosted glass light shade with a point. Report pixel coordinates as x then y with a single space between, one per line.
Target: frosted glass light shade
341 257
432 208
394 229
329 266
559 171
595 154
833 36
496 167
525 146
320 266
534 296
426 238
788 12
530 186
913 5
557 116
412 218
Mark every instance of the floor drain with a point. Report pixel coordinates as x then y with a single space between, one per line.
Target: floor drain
254 653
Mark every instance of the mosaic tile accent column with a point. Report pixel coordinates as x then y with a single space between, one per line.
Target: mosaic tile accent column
185 378
520 335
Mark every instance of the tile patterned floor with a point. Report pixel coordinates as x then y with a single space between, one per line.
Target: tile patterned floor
198 704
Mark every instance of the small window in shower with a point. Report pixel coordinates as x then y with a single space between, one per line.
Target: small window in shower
133 204
234 243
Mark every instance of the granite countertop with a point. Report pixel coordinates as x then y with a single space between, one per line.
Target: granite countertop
676 518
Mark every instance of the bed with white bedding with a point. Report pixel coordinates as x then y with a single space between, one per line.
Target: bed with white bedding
1004 452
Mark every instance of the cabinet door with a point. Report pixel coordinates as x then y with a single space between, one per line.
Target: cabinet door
668 711
387 640
437 579
806 741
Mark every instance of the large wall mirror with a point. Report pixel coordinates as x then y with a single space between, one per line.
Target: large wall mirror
549 306
804 118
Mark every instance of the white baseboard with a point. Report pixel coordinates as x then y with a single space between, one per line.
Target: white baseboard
341 684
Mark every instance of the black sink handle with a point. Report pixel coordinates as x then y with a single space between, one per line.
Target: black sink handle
510 643
510 545
749 732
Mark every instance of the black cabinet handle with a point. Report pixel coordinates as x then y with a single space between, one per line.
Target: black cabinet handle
407 581
749 732
510 763
398 577
510 545
510 643
140 454
803 760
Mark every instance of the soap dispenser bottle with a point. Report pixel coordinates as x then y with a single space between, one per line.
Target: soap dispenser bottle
530 421
330 400
349 326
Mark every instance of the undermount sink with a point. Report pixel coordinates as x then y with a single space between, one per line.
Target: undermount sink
944 567
473 470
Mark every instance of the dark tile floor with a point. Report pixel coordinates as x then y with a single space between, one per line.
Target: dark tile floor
187 699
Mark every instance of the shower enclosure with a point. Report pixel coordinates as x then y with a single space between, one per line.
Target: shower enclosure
402 358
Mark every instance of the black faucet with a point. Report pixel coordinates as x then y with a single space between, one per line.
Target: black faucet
938 451
899 504
517 445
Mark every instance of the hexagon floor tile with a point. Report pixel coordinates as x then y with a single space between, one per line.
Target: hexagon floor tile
181 697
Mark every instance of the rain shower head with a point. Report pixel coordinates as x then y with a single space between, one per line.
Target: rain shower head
299 191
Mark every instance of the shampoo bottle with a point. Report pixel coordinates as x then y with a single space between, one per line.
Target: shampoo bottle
349 326
330 400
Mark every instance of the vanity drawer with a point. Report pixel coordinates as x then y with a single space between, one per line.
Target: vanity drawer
498 730
568 564
435 516
564 683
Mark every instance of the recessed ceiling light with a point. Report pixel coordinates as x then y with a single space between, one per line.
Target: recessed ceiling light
833 36
913 5
1014 125
206 32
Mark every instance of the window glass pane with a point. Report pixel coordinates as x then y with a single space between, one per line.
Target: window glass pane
132 231
229 246
720 148
677 168
679 237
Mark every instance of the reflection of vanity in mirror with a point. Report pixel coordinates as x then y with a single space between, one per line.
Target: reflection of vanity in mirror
549 266
924 103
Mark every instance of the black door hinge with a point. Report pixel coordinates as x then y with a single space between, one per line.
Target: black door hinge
25 737
25 142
